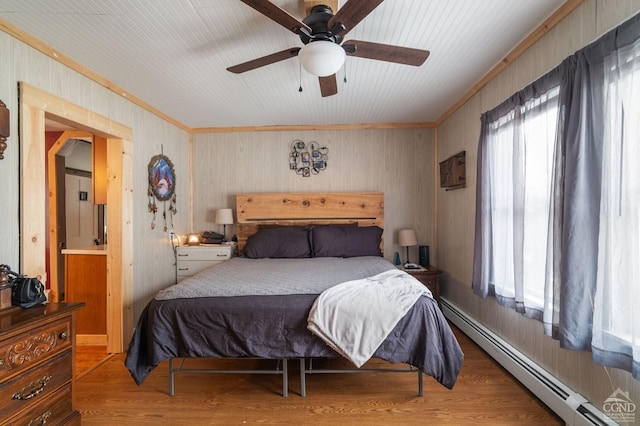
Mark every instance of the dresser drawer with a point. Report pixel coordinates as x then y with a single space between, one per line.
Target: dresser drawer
52 411
22 352
35 384
204 253
430 282
187 269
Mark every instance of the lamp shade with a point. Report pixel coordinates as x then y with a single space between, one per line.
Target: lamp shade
407 237
224 216
322 58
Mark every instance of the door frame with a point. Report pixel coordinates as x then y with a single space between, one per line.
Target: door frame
35 105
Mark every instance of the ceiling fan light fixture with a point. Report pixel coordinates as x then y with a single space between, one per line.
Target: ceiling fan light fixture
322 58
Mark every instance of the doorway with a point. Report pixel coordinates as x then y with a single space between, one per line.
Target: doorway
36 106
77 269
74 222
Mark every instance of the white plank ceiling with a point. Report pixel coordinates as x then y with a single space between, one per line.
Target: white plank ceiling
173 55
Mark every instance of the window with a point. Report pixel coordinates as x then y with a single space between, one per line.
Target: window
558 201
520 146
618 293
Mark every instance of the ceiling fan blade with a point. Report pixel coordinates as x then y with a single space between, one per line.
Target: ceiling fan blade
328 85
351 14
278 15
386 52
265 60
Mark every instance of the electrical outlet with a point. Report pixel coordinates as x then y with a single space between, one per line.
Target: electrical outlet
172 235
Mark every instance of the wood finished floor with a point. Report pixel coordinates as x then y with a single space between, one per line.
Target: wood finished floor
485 394
89 357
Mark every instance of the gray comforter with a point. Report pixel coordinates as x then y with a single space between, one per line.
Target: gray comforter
243 312
241 276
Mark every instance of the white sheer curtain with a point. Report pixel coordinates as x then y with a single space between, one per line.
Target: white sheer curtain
519 166
616 324
518 148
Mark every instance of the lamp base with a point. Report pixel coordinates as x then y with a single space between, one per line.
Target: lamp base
408 264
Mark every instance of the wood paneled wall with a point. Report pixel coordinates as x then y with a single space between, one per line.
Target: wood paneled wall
456 209
397 162
151 257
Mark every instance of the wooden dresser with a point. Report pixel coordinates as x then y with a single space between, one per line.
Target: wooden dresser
37 351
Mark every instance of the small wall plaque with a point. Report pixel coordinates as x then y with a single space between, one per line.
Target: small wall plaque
452 172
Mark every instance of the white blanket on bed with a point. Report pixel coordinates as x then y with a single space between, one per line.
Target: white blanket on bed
355 317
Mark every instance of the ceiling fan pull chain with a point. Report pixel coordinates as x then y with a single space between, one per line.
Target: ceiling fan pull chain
344 70
300 88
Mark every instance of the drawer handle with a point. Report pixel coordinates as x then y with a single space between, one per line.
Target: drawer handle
33 389
40 420
64 335
183 269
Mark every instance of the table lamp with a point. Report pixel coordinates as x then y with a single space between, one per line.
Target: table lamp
224 217
407 238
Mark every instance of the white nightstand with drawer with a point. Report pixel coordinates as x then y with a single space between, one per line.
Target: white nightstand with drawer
193 259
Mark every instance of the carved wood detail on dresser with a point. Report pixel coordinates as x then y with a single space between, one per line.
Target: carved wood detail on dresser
37 354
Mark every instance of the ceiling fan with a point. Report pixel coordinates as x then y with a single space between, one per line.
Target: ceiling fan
322 34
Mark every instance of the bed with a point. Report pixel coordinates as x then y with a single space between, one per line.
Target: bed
310 264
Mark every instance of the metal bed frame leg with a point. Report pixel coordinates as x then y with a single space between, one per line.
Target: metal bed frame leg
171 376
303 384
420 386
285 378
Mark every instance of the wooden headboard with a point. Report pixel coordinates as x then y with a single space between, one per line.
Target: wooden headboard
299 208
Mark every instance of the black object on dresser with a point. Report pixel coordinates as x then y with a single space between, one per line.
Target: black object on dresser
423 256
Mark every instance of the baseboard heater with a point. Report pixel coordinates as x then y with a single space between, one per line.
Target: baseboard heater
572 407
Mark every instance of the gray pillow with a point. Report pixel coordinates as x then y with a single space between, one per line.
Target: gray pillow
281 242
345 241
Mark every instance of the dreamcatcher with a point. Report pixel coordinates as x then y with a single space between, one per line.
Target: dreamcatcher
162 186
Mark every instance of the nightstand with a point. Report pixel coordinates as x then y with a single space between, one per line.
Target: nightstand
192 259
428 277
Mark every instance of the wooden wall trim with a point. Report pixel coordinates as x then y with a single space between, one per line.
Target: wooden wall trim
284 128
74 115
70 63
536 35
32 192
